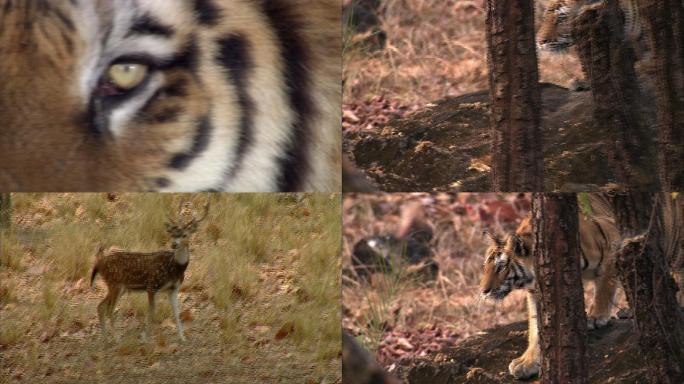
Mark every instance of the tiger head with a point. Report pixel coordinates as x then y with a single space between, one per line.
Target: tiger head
555 31
98 96
172 95
508 265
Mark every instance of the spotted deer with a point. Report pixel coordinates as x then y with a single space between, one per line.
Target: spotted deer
147 271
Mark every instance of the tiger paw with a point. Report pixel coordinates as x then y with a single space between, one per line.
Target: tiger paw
579 85
597 322
524 367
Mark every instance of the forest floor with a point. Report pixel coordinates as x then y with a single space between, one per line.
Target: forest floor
612 354
416 112
259 300
447 146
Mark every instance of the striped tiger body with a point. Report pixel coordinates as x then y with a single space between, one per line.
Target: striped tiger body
509 265
555 31
170 95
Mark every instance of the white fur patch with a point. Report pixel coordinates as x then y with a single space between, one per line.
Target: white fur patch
98 20
564 10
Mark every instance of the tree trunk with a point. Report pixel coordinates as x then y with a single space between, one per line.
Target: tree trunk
5 210
560 296
608 64
664 20
673 223
518 160
650 289
359 367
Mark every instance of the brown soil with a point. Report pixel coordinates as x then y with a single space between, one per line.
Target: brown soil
613 357
446 146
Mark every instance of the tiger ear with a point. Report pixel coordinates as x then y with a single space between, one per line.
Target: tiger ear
493 239
515 243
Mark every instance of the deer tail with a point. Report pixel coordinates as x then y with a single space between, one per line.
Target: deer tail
92 275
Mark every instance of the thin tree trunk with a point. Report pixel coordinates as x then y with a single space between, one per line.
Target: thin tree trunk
518 160
650 289
665 26
5 210
560 296
608 64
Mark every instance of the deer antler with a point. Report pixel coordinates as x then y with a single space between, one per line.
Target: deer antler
172 220
204 215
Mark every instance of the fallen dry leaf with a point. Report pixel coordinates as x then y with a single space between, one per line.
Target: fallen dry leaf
284 331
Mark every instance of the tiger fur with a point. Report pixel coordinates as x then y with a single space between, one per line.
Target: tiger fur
555 31
509 265
231 95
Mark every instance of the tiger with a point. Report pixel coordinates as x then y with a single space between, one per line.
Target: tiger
555 31
508 265
170 95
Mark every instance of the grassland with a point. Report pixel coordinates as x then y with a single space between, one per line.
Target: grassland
260 302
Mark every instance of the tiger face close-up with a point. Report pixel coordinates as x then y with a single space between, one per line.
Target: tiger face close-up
509 265
555 31
170 95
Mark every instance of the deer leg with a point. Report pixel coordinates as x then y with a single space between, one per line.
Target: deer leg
173 299
101 310
105 308
116 295
150 314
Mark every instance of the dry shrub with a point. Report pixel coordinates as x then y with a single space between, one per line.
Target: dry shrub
10 251
72 251
8 291
11 335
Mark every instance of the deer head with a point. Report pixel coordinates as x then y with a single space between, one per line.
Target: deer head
179 230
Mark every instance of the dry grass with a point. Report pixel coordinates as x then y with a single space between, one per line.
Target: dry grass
9 254
260 300
405 305
435 48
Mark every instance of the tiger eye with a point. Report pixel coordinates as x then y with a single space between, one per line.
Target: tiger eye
127 76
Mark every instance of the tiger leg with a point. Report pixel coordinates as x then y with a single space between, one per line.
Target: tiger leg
605 288
528 364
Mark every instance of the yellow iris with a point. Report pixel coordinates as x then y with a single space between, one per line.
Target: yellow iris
127 76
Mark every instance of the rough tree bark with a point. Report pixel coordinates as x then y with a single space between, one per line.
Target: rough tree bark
5 210
518 160
673 221
650 289
608 64
664 20
560 296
